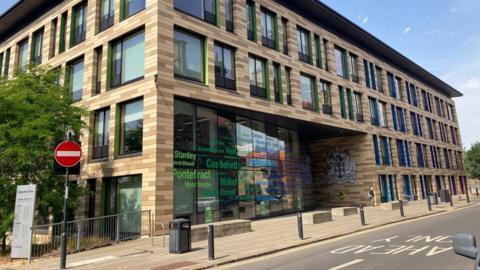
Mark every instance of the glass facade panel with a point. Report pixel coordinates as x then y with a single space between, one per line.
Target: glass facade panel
128 61
22 55
230 167
76 79
131 134
189 58
132 7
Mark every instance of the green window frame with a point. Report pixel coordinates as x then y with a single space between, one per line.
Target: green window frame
341 62
269 28
251 15
128 8
78 25
74 78
205 10
1 63
37 46
101 127
107 14
285 35
195 55
308 92
318 48
63 33
351 113
129 131
22 57
341 92
259 77
127 59
7 63
277 80
304 45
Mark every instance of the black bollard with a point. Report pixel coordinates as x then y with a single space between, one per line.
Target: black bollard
429 204
362 215
211 243
451 200
300 225
468 197
400 203
476 190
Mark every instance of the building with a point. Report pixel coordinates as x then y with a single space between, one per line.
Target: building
224 109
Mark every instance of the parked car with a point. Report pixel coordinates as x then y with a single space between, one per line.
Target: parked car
466 245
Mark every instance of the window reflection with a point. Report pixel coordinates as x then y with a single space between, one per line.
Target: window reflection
230 167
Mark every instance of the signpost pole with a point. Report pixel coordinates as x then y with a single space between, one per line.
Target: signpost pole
63 256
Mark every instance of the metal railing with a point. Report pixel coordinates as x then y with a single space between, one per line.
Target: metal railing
92 233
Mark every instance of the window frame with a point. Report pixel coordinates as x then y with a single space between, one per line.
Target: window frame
124 10
106 22
326 89
254 89
303 35
265 16
69 78
21 62
112 83
229 24
36 50
313 94
102 153
231 85
121 129
78 33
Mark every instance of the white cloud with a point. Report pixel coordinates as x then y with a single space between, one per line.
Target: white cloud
365 20
407 30
431 32
470 85
453 9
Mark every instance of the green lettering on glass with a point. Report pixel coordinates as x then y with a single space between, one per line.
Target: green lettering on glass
228 192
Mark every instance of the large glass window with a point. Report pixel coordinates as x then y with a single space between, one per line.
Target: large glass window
268 24
277 83
341 62
251 21
63 32
307 87
128 59
288 74
189 60
304 47
258 76
358 108
107 14
37 47
353 67
229 15
132 7
230 167
224 66
326 96
98 69
285 35
374 112
22 55
79 24
131 127
7 62
75 78
343 103
101 133
202 9
379 79
382 114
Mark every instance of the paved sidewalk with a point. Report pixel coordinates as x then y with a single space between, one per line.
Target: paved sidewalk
268 236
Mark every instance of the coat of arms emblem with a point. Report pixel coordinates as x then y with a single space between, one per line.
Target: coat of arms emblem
341 168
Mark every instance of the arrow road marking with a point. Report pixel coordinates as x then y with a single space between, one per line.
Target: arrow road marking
68 153
347 264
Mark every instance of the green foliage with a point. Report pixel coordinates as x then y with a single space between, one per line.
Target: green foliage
35 111
472 160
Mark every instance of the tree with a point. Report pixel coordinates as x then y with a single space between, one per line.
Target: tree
35 111
472 160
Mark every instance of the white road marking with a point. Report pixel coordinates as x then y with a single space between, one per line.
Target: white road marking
96 260
347 264
68 153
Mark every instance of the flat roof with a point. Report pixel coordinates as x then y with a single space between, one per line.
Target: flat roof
25 12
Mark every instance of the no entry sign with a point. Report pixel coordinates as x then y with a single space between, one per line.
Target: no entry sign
68 154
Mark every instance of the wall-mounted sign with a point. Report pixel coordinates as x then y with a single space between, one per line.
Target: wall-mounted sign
341 168
23 221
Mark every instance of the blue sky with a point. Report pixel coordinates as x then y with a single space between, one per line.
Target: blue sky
440 35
